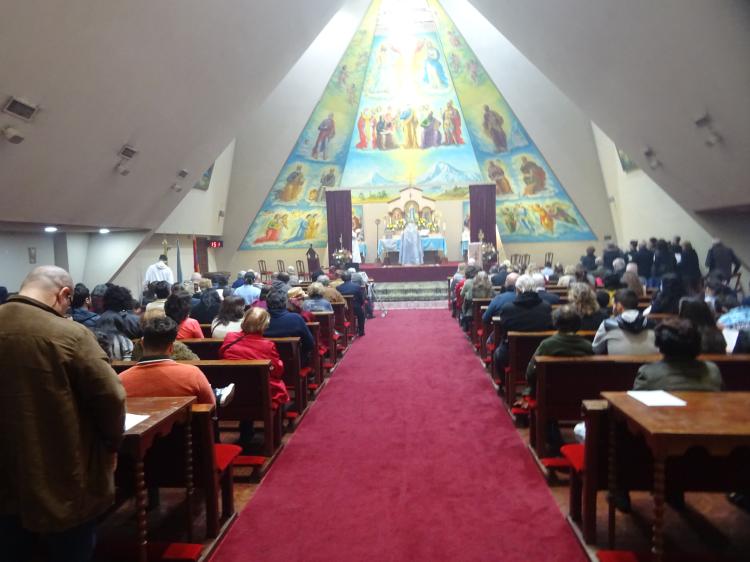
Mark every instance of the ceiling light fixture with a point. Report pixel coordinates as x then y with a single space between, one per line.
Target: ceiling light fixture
103 231
13 136
50 229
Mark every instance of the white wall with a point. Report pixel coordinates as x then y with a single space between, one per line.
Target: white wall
78 249
198 212
640 207
108 253
14 256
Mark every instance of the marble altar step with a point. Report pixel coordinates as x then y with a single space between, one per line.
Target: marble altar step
412 291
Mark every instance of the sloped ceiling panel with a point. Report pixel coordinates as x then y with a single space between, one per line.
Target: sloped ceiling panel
171 78
644 71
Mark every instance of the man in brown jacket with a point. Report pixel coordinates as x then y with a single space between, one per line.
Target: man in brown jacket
329 293
63 410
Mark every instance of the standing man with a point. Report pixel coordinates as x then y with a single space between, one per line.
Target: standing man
722 261
63 416
159 271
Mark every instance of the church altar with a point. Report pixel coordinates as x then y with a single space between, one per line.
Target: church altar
434 243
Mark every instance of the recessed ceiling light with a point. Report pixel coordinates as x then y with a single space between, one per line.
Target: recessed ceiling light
50 229
103 231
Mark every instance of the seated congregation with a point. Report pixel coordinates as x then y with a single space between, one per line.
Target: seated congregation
555 338
250 357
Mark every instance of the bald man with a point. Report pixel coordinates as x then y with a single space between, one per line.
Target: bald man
63 410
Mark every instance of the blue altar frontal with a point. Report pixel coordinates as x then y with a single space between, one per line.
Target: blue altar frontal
429 244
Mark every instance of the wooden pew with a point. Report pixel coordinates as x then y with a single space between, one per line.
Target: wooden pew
342 324
252 399
693 472
327 339
315 379
351 318
289 352
477 331
521 348
564 382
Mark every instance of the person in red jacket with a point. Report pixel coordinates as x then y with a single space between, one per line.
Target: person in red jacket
250 344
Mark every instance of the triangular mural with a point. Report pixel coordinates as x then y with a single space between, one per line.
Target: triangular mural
410 105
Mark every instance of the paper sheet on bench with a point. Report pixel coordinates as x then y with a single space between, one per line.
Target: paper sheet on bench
131 420
656 398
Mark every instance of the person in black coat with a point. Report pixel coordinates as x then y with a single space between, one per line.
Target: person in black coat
689 268
589 260
610 254
526 313
721 260
664 261
667 299
644 258
632 251
350 288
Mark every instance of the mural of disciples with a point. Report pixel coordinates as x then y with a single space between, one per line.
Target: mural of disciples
307 228
493 128
534 176
274 227
452 125
524 220
558 212
327 179
293 186
431 132
509 218
545 219
326 131
410 122
496 173
363 126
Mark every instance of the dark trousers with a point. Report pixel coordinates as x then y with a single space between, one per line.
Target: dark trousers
359 312
73 545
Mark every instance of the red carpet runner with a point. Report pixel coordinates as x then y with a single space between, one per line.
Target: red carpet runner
406 455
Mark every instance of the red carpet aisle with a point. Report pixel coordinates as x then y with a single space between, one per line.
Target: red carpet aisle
407 455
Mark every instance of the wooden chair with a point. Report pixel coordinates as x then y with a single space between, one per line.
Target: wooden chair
263 271
301 273
549 257
281 266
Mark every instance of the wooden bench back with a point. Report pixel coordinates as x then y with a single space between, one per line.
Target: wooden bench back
327 332
564 382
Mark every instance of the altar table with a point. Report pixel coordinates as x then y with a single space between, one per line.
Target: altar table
429 244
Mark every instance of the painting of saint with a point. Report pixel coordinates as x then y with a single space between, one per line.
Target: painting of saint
524 220
431 132
496 173
546 221
409 122
293 186
326 131
388 59
509 218
363 125
558 212
452 125
493 128
312 227
274 227
302 227
327 180
433 73
534 176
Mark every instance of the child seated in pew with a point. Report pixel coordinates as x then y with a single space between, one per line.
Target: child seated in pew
250 344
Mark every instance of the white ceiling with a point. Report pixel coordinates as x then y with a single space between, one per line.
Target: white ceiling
643 70
170 77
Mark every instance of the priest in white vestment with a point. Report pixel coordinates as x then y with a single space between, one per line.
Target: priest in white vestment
356 256
158 271
411 246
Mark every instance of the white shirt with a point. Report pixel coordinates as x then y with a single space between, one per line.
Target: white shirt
158 271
